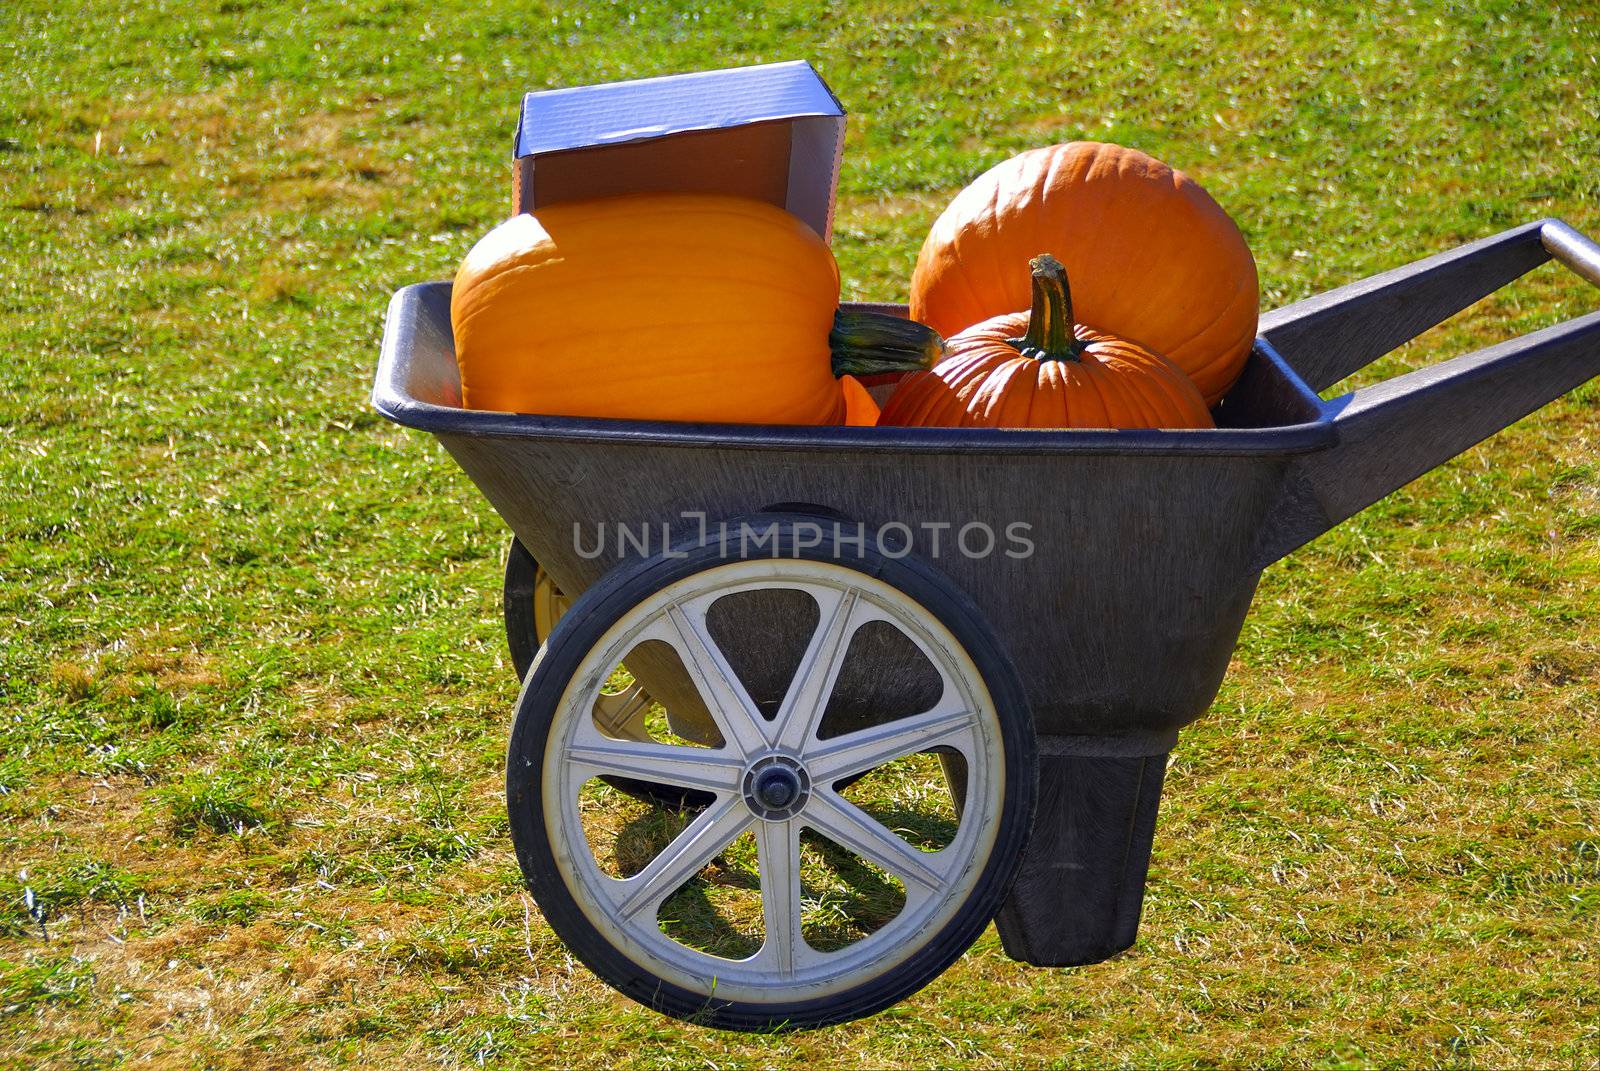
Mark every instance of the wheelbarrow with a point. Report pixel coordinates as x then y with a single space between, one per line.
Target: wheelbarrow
760 625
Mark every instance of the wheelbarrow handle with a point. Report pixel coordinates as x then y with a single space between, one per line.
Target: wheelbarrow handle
1328 337
1394 431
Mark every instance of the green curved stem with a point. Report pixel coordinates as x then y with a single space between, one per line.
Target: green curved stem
1049 336
873 343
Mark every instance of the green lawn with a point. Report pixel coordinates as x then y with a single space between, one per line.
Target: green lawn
253 690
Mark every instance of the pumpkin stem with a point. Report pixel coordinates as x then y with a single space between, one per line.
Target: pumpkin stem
1050 336
874 343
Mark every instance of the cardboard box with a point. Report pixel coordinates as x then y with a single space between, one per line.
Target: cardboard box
773 132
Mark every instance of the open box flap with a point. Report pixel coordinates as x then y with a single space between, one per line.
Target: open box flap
772 132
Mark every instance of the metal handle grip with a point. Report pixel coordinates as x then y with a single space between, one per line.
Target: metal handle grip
1572 248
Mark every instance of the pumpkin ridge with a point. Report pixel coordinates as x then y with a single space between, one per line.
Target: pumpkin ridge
626 206
1022 185
995 393
1141 388
979 397
667 228
909 395
1094 388
972 391
936 400
1181 393
967 279
1123 405
588 280
1047 381
912 400
1159 387
1151 389
1016 399
1175 388
662 248
1149 383
581 280
1240 291
522 261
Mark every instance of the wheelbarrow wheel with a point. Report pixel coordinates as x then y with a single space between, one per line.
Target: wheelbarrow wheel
626 901
533 605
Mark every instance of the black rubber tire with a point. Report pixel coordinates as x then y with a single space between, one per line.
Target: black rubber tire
522 631
524 641
570 642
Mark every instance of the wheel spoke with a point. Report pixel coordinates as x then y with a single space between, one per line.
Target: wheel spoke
671 764
866 749
852 828
807 697
714 829
725 697
778 856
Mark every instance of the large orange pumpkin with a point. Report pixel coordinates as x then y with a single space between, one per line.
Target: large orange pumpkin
1152 257
1040 369
678 306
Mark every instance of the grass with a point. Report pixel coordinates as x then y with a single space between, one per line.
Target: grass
253 693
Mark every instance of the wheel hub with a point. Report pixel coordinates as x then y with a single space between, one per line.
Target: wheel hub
776 788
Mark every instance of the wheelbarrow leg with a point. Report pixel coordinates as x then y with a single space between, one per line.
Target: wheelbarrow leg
1079 893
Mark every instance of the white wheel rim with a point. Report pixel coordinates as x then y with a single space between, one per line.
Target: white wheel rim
785 968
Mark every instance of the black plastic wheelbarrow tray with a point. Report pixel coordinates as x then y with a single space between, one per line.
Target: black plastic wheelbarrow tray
1053 671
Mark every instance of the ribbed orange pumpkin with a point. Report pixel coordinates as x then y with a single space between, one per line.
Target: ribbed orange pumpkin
1152 257
1057 374
655 307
